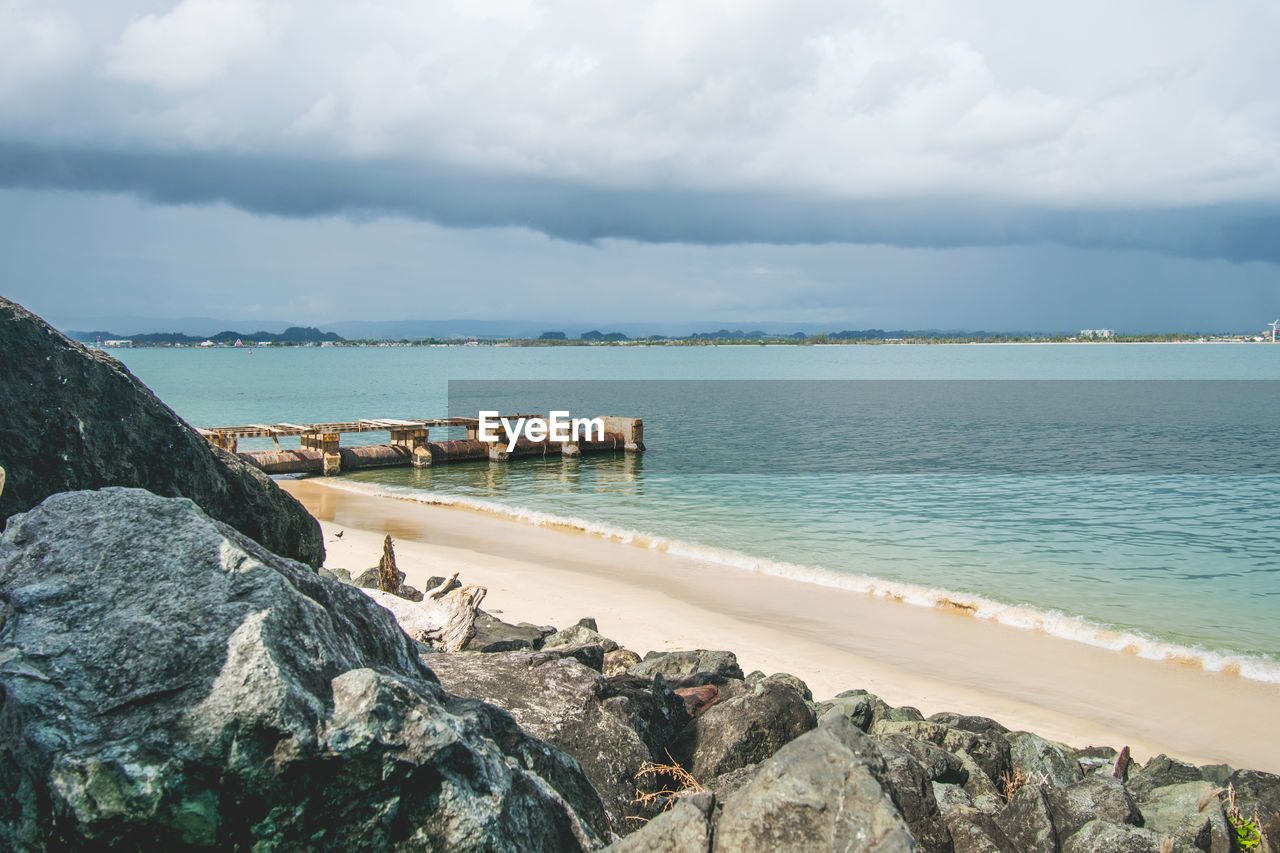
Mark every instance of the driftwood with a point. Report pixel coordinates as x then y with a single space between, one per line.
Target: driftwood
1 481
388 574
445 621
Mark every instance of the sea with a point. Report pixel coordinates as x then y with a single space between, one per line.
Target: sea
1121 495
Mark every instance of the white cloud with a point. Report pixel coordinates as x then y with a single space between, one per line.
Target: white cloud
189 47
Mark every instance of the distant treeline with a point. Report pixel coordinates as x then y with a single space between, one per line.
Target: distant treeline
291 335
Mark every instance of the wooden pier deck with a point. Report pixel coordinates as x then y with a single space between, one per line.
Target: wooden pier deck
321 452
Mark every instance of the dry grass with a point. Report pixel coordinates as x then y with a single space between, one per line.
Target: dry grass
671 782
1009 785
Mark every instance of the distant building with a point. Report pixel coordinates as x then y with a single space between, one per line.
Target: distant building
117 343
1097 333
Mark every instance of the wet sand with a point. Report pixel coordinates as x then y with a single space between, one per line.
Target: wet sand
834 639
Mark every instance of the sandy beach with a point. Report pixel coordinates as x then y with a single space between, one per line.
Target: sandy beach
833 639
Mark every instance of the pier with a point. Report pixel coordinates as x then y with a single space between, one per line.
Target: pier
321 452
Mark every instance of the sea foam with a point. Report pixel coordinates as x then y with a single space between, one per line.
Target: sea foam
1025 617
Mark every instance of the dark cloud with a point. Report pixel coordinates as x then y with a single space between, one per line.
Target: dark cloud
299 188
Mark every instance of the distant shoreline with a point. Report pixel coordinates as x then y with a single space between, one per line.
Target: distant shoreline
524 343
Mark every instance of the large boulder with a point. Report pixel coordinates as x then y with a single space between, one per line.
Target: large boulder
816 793
1043 762
688 663
1190 813
743 729
1160 772
611 727
165 682
494 635
75 418
1097 797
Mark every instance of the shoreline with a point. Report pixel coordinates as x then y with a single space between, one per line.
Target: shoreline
833 639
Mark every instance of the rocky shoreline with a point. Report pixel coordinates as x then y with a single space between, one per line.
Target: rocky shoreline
167 680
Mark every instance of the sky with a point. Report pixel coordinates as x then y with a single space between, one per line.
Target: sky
973 164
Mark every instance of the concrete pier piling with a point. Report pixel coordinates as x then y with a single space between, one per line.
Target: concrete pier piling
320 450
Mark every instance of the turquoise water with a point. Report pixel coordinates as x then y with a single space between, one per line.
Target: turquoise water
1159 563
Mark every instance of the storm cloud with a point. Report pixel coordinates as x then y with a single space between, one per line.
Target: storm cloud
1146 128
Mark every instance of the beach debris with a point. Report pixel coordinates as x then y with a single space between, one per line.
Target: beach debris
389 577
698 699
445 617
1 481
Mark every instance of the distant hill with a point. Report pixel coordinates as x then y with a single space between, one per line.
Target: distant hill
291 335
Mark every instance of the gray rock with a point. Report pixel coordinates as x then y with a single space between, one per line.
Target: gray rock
984 792
974 831
494 635
1097 797
816 793
988 749
1218 774
950 796
168 682
1043 761
1259 791
579 635
726 784
611 729
1028 822
687 663
588 622
786 678
74 418
1100 836
685 828
967 723
619 661
858 705
938 764
1174 811
1161 772
742 730
368 579
341 575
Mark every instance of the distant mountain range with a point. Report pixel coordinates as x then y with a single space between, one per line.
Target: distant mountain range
197 329
291 335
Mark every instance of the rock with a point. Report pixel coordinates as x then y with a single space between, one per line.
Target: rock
1175 811
911 790
368 579
676 664
1260 791
727 783
408 593
435 581
742 730
1100 836
588 622
698 699
1028 822
579 635
1097 797
786 678
974 831
74 418
341 575
965 723
816 793
1218 774
1097 759
494 635
611 729
858 705
989 749
169 683
1160 772
1042 761
938 764
980 787
685 828
949 796
619 661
